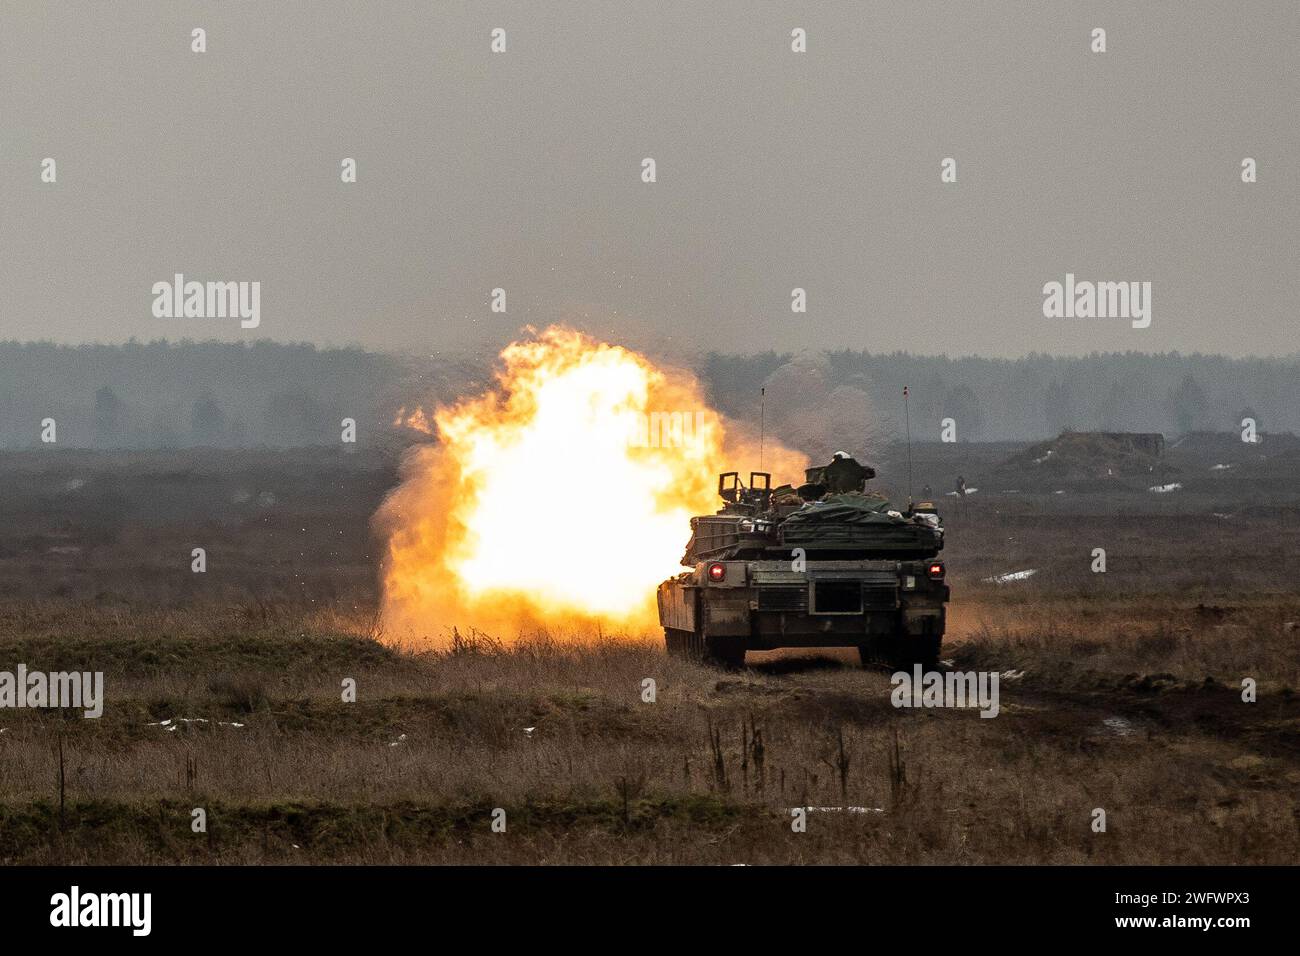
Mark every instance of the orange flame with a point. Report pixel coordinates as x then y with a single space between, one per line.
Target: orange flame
557 500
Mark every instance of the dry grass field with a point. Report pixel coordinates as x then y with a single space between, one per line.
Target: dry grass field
1120 691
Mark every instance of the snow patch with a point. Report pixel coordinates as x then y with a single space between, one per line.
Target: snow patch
1011 576
840 809
172 724
1119 726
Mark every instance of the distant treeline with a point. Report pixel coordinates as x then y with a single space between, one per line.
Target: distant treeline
1022 399
161 394
180 394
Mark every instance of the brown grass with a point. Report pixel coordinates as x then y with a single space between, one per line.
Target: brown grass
1129 700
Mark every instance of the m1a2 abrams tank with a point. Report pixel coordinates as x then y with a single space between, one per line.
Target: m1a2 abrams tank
826 564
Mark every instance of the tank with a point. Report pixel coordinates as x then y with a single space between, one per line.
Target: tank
824 564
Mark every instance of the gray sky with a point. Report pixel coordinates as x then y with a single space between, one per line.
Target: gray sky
775 170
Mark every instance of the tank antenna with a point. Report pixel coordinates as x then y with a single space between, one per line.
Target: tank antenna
762 423
907 418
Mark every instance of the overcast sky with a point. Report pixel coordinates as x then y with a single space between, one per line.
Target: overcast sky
522 170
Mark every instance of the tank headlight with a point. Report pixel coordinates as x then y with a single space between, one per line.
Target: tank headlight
717 572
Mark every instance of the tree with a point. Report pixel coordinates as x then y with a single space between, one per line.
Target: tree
1187 405
108 416
207 420
295 417
1058 407
963 407
1247 412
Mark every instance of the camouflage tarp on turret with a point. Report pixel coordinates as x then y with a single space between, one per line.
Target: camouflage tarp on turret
857 522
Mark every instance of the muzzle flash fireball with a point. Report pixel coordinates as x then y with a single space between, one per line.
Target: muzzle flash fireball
555 500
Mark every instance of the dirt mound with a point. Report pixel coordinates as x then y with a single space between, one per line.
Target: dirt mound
1087 457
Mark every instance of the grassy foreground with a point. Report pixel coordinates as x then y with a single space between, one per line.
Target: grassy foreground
1119 691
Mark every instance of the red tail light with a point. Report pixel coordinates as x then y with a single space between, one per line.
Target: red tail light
717 572
935 570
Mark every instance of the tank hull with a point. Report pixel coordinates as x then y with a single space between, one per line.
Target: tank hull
890 610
